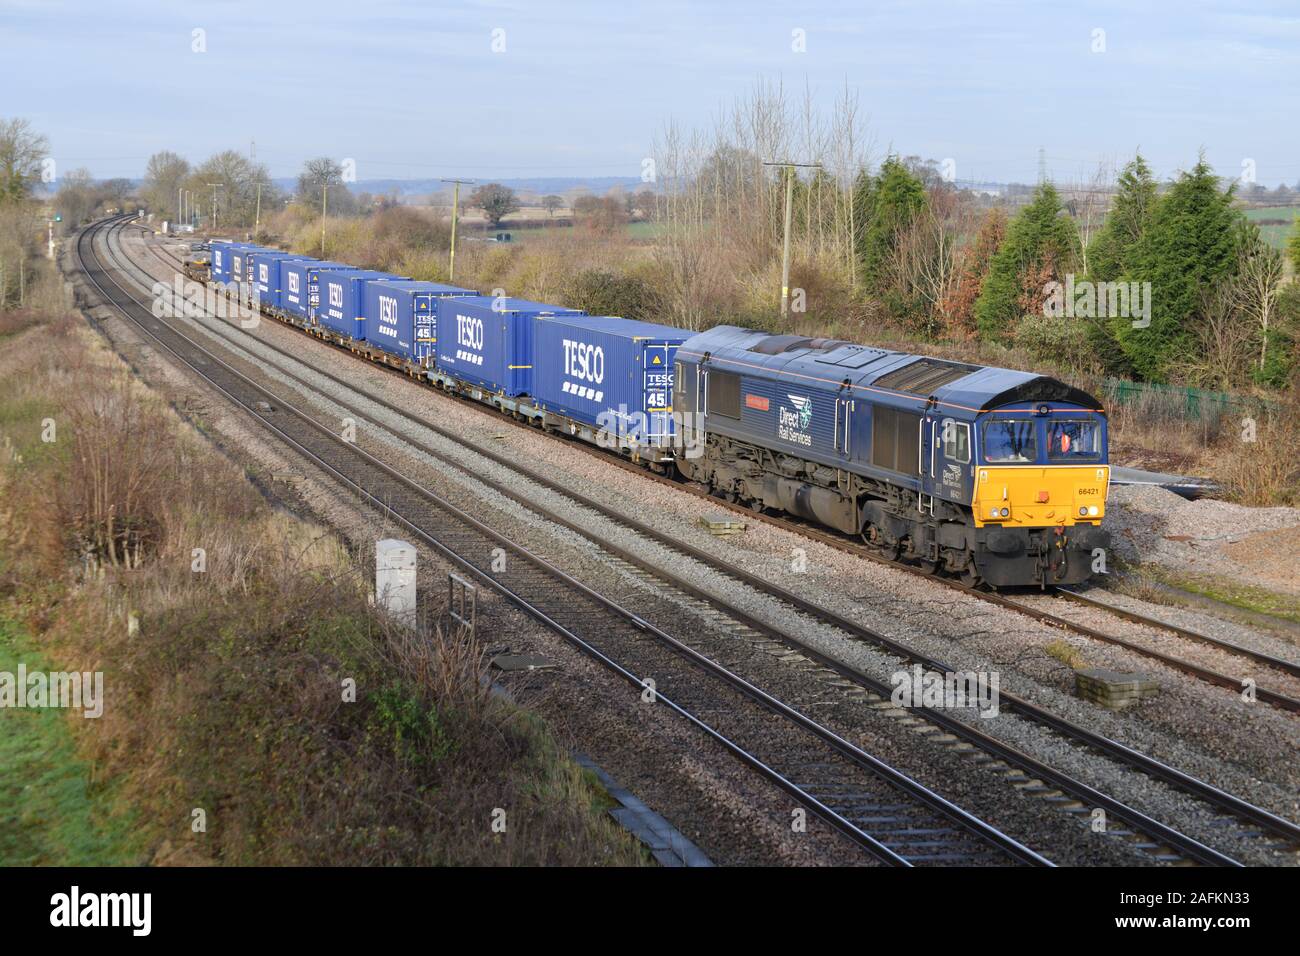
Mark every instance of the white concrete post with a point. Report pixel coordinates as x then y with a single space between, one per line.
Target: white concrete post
395 579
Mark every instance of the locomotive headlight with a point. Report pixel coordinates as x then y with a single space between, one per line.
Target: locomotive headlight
1083 511
1093 510
1005 512
993 512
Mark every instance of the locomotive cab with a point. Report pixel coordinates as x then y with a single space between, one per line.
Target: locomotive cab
1040 481
1040 468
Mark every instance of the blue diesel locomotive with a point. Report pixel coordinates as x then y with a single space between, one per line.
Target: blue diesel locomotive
994 475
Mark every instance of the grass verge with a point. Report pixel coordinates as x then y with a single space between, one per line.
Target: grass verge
53 811
257 709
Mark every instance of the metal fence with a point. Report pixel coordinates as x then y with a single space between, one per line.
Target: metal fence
1181 401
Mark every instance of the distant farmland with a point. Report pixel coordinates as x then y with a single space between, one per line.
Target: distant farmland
1275 222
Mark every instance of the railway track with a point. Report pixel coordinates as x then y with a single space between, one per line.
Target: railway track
1267 660
884 812
1164 841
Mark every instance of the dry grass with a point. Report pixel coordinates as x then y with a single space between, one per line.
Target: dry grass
232 696
1067 654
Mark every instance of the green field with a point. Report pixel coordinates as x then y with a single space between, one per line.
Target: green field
51 811
634 230
1274 233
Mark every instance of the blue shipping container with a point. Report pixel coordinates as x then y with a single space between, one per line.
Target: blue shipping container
401 317
488 341
265 275
220 260
614 374
239 266
299 281
341 307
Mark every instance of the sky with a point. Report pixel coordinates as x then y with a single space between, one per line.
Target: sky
526 89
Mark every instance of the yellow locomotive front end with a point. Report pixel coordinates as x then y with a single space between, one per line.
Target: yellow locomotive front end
1035 496
1039 494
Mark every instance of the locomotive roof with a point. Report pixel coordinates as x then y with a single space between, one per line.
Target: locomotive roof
900 378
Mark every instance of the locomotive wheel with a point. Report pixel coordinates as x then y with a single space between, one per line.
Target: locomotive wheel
870 537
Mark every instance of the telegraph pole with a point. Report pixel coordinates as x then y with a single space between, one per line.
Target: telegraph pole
215 187
257 219
789 201
180 206
324 207
455 214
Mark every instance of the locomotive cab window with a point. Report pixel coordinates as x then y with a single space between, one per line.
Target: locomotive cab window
956 441
1073 440
1011 441
724 394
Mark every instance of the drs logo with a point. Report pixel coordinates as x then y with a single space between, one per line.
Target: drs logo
262 274
469 332
336 295
293 282
584 361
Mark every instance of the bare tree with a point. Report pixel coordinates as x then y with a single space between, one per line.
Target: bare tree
552 203
78 197
163 179
496 201
236 197
1257 285
716 199
319 174
22 151
646 203
1093 198
117 191
1223 356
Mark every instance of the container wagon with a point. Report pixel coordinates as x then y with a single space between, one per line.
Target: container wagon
265 280
613 378
241 269
341 309
401 317
487 340
299 280
222 267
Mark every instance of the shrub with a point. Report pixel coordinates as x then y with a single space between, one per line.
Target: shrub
607 293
